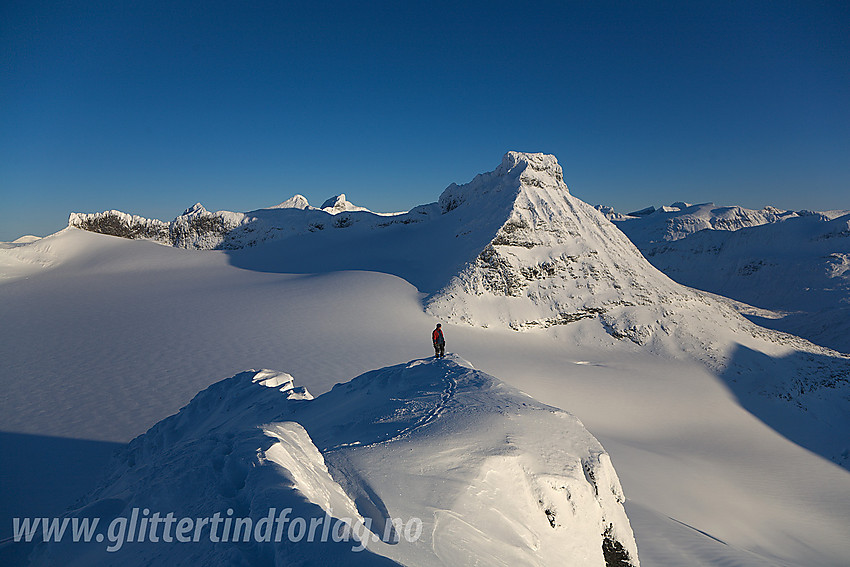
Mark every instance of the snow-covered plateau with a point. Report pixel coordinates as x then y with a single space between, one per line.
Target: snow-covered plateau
730 440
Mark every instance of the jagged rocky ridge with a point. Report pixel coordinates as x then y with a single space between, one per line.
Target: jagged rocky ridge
495 477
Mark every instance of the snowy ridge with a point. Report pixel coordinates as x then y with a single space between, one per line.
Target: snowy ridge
495 476
669 223
802 263
26 239
198 228
794 263
195 228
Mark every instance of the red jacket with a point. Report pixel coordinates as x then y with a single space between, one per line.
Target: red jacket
437 335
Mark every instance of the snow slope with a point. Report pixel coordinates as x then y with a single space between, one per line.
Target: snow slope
495 476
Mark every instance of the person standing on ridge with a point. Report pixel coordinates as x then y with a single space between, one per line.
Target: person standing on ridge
439 342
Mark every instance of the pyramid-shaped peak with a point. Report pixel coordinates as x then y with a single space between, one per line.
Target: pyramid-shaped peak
518 162
519 172
195 209
297 201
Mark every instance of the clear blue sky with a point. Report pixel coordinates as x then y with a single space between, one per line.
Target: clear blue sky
151 106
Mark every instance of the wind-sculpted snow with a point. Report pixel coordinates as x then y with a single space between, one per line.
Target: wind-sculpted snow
495 477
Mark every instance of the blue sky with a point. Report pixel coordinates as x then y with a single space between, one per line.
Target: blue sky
148 107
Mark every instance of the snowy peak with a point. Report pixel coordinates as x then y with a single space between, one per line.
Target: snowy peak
552 258
501 186
297 201
338 204
490 473
531 164
194 210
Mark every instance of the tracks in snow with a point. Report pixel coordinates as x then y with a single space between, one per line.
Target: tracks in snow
430 416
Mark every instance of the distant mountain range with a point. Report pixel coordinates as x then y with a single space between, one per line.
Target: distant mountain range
791 269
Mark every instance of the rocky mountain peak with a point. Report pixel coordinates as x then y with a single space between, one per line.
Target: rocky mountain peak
338 204
532 164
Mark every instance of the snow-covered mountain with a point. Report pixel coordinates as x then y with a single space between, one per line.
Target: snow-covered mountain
201 229
789 268
653 226
485 474
666 223
552 259
555 260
